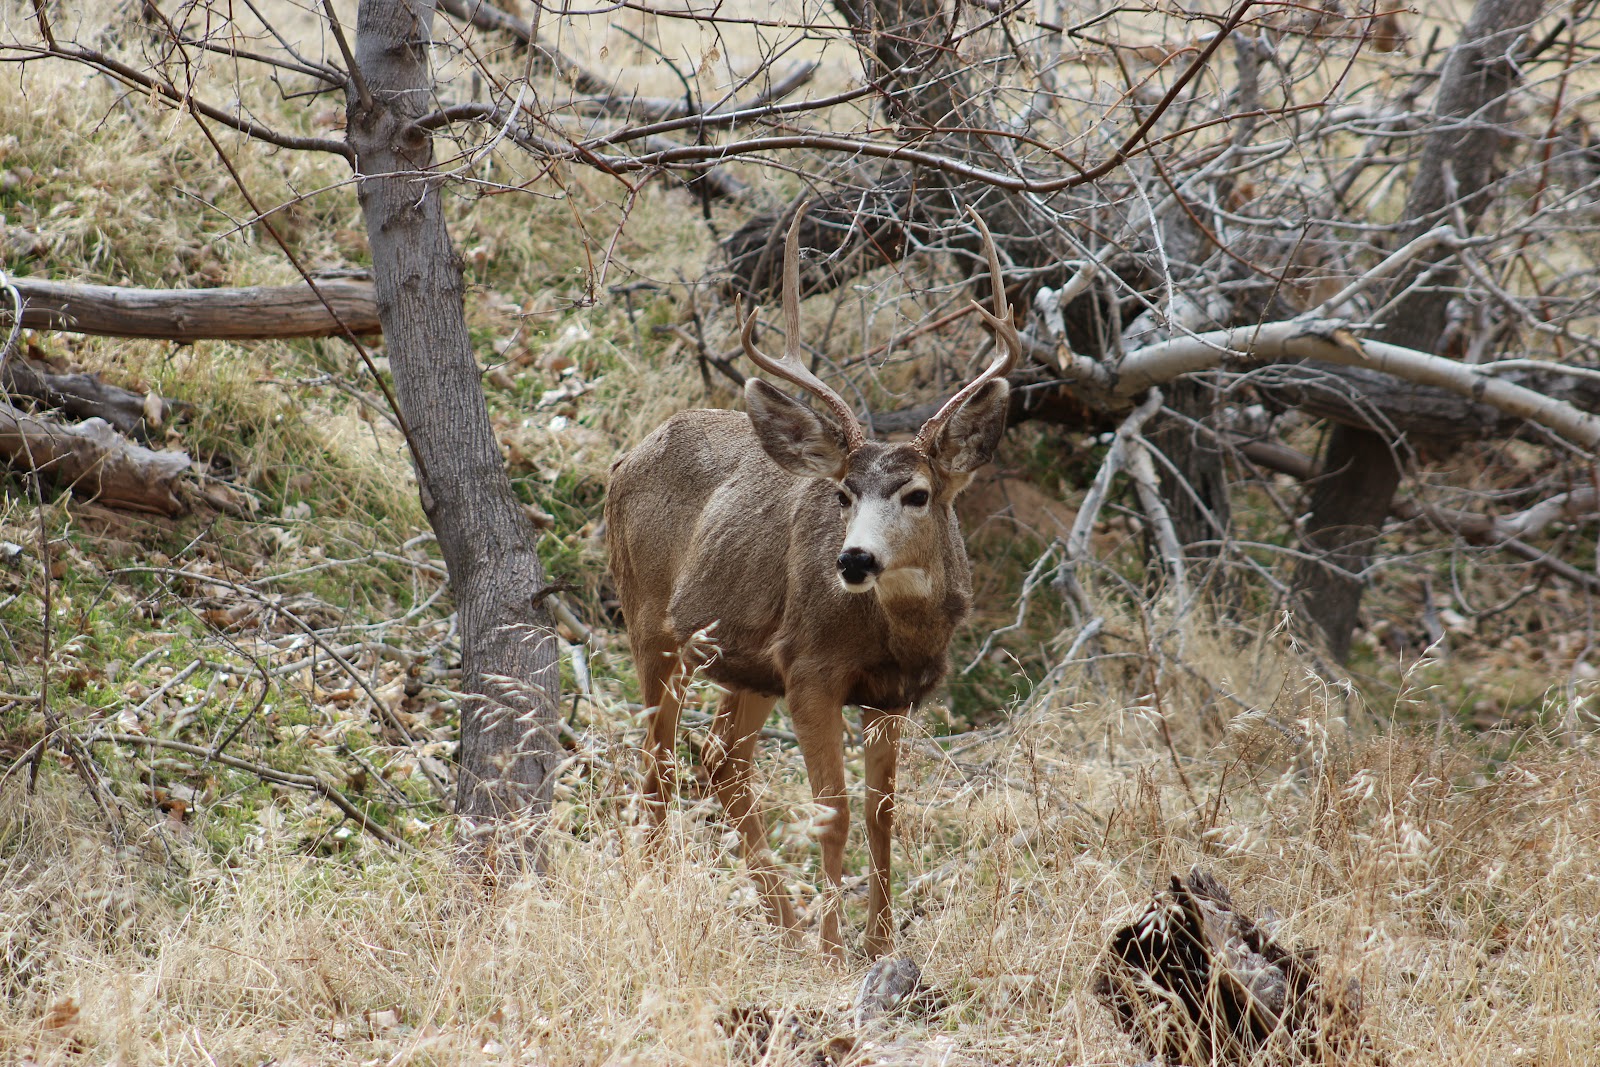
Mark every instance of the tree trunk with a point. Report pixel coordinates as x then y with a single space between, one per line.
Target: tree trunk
1349 505
1195 486
914 70
509 666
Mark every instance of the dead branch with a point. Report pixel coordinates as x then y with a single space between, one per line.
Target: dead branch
673 113
1502 533
164 90
309 782
83 396
94 461
1147 485
1077 548
253 313
1331 342
486 16
1505 532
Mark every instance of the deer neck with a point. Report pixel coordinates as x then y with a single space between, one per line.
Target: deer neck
919 616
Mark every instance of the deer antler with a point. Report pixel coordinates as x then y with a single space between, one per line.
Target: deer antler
789 366
1006 338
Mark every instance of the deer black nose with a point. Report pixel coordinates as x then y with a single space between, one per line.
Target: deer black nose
855 564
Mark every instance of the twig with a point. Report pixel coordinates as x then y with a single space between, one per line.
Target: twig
177 679
378 704
309 782
1077 547
356 77
1147 485
10 344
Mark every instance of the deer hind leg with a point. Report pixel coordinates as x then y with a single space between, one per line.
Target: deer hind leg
819 725
729 759
882 734
661 678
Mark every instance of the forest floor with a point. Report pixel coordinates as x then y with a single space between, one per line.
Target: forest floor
1430 821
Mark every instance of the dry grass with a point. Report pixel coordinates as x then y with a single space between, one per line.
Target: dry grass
1461 891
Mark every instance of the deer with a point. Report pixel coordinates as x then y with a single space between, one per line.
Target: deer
780 553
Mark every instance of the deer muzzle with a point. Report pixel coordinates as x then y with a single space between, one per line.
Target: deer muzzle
858 568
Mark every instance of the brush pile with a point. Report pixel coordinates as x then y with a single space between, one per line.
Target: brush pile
1196 981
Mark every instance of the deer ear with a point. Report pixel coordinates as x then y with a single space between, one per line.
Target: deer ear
794 436
968 440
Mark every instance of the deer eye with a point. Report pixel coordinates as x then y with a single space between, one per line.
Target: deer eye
915 499
844 499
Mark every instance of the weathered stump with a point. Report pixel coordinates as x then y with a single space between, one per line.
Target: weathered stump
1197 982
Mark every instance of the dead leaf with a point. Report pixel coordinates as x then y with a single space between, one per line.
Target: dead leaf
385 1021
62 1015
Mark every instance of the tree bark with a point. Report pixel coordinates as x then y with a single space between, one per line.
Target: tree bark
1195 486
911 64
509 666
1350 503
254 313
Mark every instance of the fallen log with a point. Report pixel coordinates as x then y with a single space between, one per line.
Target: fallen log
82 396
253 313
94 461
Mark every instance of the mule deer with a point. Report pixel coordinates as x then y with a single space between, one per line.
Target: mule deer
783 554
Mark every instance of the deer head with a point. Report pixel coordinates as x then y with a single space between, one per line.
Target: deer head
895 499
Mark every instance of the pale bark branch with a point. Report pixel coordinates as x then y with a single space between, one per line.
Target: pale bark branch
1329 341
1077 546
252 313
1147 485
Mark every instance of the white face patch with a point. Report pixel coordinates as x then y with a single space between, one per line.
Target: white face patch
905 583
890 530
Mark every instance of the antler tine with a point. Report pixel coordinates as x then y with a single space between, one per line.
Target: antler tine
1007 340
789 366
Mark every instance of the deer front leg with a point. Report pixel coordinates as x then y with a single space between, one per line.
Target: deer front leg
728 758
881 731
663 694
819 725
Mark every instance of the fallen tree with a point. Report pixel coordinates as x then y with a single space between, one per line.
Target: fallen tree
326 308
94 461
